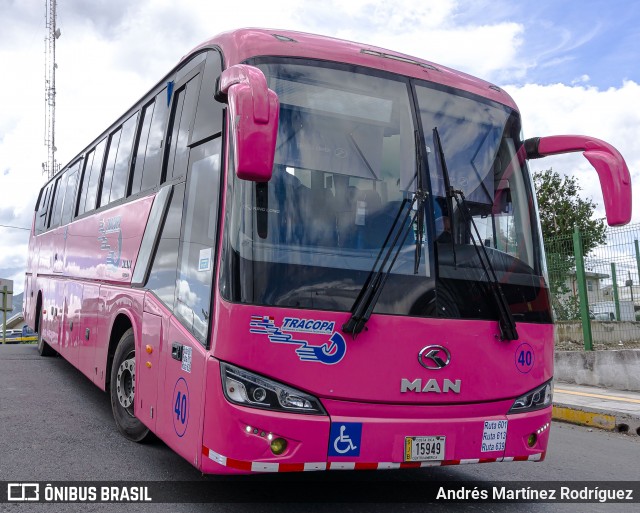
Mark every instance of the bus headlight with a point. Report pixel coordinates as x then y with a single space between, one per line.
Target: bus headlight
249 389
537 399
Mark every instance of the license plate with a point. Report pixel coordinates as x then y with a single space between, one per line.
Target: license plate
424 448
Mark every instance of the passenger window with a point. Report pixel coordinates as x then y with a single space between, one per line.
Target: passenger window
121 167
94 178
112 152
41 221
184 104
149 154
70 194
198 240
58 199
89 187
136 180
162 278
208 118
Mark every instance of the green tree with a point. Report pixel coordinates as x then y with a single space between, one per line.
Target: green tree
561 211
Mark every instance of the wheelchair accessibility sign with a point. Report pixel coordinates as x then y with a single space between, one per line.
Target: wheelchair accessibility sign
344 439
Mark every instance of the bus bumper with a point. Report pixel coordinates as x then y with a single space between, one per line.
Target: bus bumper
358 436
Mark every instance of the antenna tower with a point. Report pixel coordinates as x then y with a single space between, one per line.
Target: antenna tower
50 167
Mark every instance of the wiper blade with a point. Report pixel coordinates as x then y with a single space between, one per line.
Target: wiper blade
506 321
447 186
370 292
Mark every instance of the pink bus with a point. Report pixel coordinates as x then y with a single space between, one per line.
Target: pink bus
299 253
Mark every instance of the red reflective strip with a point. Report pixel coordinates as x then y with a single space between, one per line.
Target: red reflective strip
205 451
366 466
450 462
410 464
291 467
238 464
521 458
544 455
488 460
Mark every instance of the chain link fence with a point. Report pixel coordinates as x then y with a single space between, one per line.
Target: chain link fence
596 293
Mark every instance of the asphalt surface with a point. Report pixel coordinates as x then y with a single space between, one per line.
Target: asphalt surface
56 425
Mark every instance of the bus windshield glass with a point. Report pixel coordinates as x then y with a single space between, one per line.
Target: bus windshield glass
346 167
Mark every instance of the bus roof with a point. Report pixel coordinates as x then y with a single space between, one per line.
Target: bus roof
239 45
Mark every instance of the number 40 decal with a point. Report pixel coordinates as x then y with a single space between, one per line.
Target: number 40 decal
525 358
180 407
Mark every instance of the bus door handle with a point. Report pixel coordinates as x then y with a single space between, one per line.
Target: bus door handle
176 351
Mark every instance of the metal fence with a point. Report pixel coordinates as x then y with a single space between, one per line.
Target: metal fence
596 291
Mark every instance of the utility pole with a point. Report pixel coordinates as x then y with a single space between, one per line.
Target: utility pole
50 167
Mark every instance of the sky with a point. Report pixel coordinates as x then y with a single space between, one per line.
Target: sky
572 67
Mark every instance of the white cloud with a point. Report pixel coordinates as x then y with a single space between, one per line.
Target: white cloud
561 109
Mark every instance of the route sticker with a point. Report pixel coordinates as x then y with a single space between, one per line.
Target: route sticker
525 357
494 435
180 406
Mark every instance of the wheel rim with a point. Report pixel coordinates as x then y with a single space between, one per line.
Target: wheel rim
125 386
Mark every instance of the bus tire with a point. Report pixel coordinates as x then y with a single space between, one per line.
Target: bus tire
43 348
122 389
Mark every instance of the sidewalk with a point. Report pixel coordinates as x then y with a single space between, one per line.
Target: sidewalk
597 407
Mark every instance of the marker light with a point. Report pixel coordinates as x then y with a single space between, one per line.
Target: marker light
249 389
278 446
536 399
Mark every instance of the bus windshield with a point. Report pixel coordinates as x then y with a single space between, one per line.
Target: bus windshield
346 166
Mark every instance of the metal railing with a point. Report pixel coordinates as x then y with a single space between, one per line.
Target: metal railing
596 291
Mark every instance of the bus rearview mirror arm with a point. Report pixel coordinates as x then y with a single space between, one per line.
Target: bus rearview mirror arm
252 120
612 170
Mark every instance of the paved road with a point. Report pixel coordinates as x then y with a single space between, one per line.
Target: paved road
55 425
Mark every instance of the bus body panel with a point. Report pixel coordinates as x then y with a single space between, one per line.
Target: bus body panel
85 334
105 245
236 439
242 434
239 45
375 365
180 389
113 302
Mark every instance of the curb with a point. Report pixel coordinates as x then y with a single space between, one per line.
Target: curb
592 417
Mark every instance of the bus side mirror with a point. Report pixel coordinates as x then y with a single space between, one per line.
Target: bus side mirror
253 120
613 172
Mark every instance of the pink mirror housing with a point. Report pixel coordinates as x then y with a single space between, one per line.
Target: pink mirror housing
612 170
253 121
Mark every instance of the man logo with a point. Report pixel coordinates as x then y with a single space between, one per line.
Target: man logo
434 357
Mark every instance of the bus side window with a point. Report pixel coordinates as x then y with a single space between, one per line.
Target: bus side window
41 221
56 211
112 153
208 118
183 108
94 177
70 194
141 149
146 174
117 166
121 167
153 156
198 240
162 278
90 179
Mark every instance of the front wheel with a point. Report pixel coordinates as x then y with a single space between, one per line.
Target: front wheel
122 389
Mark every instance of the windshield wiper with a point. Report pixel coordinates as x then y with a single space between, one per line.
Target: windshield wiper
372 288
506 321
